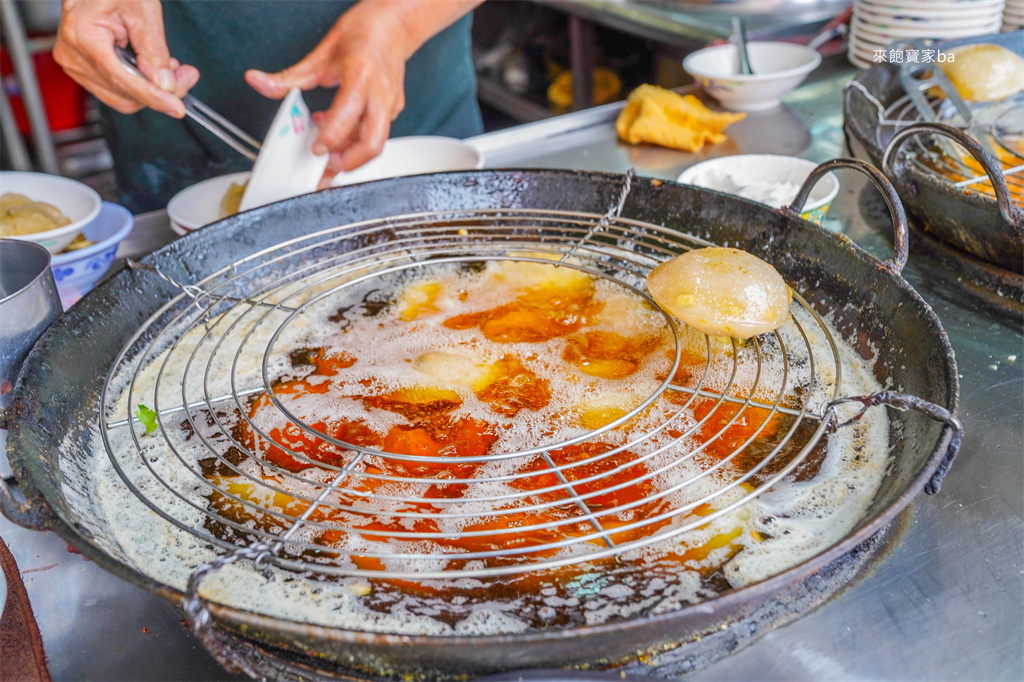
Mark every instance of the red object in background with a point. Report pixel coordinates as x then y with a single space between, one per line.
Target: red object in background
63 98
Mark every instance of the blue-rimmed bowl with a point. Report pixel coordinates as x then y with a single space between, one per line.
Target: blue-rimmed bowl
77 272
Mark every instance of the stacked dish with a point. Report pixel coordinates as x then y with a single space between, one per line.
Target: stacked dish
1013 15
876 24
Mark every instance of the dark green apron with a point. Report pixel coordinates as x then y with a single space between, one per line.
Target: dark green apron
156 156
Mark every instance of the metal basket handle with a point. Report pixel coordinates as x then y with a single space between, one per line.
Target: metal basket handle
1011 213
892 199
904 401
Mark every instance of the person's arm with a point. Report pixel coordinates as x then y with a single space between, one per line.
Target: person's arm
88 31
364 54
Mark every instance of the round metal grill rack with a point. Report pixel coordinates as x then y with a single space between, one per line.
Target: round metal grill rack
998 125
208 352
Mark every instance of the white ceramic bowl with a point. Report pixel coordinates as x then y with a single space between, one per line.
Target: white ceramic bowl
78 271
778 68
199 204
772 179
415 155
76 200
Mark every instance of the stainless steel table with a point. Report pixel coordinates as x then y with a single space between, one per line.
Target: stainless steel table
944 602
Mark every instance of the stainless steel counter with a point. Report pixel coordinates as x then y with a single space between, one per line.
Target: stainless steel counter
944 602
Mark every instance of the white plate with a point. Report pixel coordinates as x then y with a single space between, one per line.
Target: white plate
286 165
858 62
928 5
939 14
199 205
862 51
891 33
881 22
414 155
868 42
865 54
929 11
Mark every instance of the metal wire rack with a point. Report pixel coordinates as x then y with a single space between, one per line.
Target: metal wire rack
229 323
998 125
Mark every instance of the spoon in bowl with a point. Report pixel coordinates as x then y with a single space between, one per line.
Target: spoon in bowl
740 31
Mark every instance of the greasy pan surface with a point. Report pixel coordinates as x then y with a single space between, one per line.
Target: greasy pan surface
55 402
970 221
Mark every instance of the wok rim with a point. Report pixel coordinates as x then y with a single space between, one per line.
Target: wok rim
25 469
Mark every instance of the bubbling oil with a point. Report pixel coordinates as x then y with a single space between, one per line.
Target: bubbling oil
527 353
461 366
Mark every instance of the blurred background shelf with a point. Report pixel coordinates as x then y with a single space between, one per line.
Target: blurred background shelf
593 51
519 47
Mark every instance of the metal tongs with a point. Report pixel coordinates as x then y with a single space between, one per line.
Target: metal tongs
917 79
232 135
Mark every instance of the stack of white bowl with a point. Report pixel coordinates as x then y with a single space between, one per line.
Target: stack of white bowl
1013 15
877 23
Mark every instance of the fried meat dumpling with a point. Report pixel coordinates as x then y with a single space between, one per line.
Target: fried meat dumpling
722 292
985 72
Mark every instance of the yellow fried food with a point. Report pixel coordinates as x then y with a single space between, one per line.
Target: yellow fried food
665 118
232 199
20 215
79 242
606 86
722 292
985 72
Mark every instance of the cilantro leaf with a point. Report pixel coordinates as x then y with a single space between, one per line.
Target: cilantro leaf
147 416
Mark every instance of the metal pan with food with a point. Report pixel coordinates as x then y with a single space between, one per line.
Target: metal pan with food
437 425
949 186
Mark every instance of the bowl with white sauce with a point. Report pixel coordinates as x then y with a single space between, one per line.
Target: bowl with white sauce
770 179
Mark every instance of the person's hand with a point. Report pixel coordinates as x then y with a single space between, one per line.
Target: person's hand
88 31
364 54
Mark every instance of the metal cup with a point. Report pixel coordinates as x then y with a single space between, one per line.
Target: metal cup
28 304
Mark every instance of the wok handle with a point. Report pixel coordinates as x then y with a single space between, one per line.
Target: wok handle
904 401
889 193
23 512
1011 213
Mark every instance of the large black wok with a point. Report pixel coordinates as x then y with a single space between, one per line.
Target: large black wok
55 401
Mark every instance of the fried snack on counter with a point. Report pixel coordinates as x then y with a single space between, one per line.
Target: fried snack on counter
20 215
606 86
985 72
232 199
665 118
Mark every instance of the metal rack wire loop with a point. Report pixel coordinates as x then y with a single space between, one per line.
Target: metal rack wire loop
205 363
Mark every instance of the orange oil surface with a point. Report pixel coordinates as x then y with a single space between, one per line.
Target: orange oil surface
535 316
